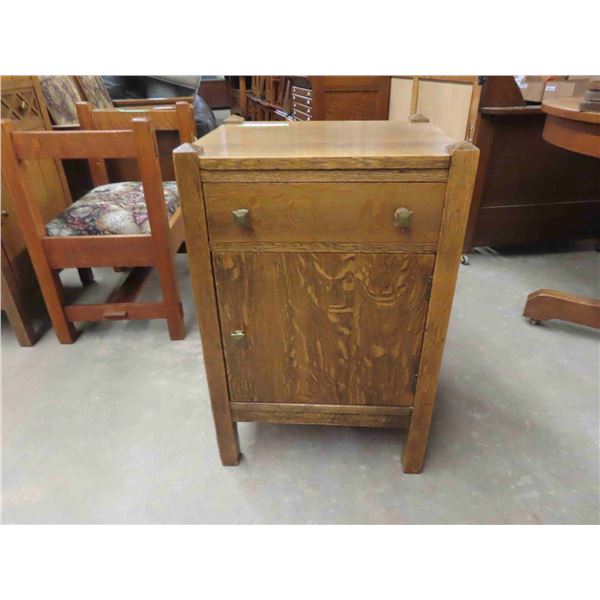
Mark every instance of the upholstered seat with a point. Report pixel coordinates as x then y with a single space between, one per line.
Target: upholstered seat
115 208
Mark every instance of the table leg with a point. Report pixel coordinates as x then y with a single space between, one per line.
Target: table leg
542 305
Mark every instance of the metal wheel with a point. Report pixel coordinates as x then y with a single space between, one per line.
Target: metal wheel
534 322
464 260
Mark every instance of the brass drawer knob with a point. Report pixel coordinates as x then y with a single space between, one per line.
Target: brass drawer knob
241 217
4 213
403 218
237 336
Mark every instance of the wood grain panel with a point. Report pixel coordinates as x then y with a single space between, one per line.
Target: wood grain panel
393 248
335 212
332 176
318 418
350 106
325 145
446 104
322 328
70 144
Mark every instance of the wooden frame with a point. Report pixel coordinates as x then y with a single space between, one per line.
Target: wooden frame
460 170
459 189
50 254
189 182
415 107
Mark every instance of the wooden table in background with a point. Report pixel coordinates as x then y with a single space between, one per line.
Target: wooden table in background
579 132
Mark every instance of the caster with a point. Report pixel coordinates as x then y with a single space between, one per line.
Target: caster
534 321
464 260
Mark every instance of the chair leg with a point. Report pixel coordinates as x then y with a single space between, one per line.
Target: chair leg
86 275
170 293
53 294
12 304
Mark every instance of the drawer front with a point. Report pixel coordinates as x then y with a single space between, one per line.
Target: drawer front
301 101
301 116
299 91
302 108
324 212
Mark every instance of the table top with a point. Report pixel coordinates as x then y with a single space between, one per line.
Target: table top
325 145
568 108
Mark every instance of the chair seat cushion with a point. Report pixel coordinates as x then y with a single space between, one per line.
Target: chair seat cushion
112 209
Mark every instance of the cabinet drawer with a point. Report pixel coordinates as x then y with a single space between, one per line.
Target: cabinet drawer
301 116
299 91
302 101
324 212
302 108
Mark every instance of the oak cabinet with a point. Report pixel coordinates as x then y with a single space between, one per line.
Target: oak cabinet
324 257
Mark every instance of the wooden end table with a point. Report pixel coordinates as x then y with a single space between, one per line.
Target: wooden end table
578 131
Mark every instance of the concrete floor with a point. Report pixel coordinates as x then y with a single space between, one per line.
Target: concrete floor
117 427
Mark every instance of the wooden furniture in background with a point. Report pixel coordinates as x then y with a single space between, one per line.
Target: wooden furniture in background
449 102
324 258
216 93
269 98
62 93
238 88
527 190
591 98
340 98
50 254
23 103
311 98
576 131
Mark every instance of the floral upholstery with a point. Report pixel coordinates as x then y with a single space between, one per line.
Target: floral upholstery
116 208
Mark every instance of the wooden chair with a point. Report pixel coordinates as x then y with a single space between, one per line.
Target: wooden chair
63 92
179 118
85 234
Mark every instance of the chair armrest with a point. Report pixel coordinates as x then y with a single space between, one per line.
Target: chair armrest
133 102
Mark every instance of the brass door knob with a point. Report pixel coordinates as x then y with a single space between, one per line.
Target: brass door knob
238 335
403 218
241 217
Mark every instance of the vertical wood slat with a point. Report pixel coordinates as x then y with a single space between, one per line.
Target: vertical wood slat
454 221
149 166
187 170
97 166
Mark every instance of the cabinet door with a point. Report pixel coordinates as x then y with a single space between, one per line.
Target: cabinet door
322 328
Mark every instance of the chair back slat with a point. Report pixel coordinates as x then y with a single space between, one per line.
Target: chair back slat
162 119
179 117
74 144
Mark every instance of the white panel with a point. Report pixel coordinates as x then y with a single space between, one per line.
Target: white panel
446 105
400 93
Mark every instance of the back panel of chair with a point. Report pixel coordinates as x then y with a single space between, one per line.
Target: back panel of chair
19 147
179 118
